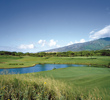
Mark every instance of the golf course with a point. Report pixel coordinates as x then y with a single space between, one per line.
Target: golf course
54 49
72 83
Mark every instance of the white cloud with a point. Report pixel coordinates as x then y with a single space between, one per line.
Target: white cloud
81 41
105 32
70 43
23 46
58 46
52 43
91 32
42 42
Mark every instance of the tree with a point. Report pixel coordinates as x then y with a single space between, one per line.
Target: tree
70 53
13 53
19 54
42 54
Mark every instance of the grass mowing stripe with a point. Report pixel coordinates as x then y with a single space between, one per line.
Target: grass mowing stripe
82 76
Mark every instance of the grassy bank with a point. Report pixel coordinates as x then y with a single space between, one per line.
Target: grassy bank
72 83
27 61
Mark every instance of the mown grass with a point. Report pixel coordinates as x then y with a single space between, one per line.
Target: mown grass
87 78
27 61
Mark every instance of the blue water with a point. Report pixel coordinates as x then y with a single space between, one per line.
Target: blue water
37 68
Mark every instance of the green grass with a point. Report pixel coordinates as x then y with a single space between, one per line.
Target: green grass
27 87
27 61
81 76
83 80
72 83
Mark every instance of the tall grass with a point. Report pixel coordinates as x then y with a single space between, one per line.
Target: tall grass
31 87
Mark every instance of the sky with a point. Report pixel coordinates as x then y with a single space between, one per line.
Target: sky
38 25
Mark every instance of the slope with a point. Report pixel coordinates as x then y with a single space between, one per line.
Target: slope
91 45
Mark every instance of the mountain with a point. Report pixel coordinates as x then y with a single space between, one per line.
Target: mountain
99 44
107 47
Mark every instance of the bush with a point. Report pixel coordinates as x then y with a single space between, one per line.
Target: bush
108 65
16 64
54 68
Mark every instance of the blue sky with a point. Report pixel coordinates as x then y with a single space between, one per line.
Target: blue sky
37 25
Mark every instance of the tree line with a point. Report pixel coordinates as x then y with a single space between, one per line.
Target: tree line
59 54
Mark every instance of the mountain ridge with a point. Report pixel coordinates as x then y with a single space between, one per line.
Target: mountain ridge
97 44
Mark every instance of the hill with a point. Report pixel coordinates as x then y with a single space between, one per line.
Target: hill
99 44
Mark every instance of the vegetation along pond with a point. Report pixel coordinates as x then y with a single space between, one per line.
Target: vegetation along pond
37 68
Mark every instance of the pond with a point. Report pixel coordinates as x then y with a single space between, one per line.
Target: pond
38 68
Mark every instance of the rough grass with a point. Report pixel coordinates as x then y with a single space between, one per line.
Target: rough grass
27 87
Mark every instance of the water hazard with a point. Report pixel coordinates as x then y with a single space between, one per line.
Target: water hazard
38 68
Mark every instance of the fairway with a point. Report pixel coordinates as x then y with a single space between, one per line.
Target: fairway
55 50
27 61
80 76
84 78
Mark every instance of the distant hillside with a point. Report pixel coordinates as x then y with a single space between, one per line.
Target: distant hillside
107 47
102 43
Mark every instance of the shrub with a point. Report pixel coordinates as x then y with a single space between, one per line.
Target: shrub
16 64
54 68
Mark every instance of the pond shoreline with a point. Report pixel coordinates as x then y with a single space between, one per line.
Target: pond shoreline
102 61
39 68
18 67
93 65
